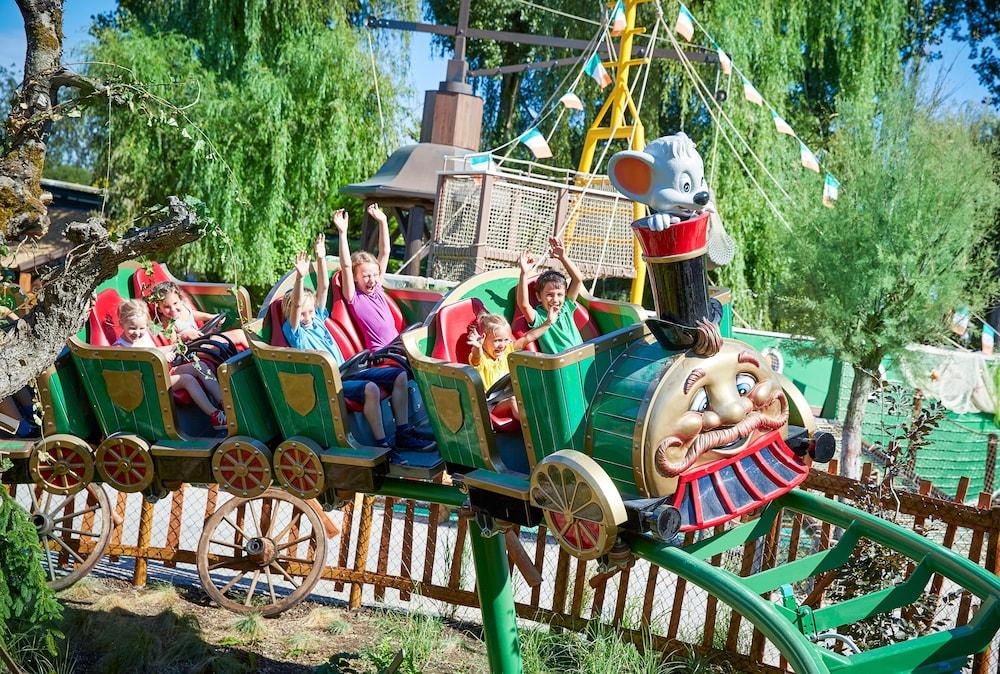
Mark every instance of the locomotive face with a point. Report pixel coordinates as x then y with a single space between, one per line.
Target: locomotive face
708 408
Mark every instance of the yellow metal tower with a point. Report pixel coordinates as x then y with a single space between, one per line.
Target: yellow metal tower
618 119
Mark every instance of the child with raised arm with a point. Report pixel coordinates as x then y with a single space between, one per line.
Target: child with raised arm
305 313
553 295
133 316
491 343
362 282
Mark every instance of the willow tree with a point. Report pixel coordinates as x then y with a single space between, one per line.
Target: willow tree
279 109
804 56
908 241
48 92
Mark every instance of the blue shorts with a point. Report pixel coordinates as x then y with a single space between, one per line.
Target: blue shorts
354 385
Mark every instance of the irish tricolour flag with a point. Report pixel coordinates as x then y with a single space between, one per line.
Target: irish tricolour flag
751 94
571 101
781 125
536 143
595 69
685 23
725 62
808 158
831 190
618 21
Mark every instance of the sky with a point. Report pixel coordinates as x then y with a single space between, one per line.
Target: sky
960 82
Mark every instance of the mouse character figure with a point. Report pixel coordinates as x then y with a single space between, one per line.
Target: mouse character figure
668 176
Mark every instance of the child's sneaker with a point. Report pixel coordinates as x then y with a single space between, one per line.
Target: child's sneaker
219 420
407 440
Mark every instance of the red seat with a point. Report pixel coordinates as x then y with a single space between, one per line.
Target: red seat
452 323
340 312
276 319
143 282
103 328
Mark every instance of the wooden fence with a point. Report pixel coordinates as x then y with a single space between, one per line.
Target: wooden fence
638 601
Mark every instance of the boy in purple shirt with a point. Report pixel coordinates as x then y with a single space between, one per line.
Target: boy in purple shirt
362 282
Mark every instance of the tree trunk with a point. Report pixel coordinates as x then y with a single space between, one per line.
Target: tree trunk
850 452
64 299
23 207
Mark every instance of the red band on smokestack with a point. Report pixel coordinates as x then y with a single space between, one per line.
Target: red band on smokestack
681 240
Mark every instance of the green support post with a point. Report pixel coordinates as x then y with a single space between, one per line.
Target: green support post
496 602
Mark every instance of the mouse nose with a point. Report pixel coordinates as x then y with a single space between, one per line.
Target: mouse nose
701 198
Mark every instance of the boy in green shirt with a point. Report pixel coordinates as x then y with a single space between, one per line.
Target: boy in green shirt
553 296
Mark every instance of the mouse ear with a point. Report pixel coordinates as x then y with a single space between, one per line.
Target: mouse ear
631 173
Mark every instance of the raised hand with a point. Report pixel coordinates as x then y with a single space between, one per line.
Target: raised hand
553 315
320 246
527 262
340 220
556 248
302 264
376 214
475 339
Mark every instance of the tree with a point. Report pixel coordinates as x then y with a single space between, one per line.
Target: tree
804 56
907 242
279 109
976 22
35 340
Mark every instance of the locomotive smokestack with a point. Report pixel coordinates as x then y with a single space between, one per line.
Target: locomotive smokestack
675 259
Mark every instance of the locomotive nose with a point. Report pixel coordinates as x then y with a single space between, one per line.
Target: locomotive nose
701 198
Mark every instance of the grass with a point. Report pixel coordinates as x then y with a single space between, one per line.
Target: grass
601 650
302 643
250 629
417 636
327 620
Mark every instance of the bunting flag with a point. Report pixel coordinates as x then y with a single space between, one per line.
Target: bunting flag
831 190
808 158
479 162
595 69
781 125
536 143
751 94
571 101
960 321
685 23
618 21
989 338
725 62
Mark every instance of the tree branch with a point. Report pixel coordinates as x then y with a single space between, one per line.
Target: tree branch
67 290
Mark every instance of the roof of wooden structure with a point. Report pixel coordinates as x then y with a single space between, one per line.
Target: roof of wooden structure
408 176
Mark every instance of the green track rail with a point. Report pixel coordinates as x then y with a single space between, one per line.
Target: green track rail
789 627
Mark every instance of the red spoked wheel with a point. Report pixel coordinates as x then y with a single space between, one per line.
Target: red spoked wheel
62 464
580 503
242 466
297 467
125 463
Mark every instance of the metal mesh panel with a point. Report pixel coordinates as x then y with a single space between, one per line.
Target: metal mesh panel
598 234
522 213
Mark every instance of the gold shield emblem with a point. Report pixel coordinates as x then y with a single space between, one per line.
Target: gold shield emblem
448 403
124 388
298 391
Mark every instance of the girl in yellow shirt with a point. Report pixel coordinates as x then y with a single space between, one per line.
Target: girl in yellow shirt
491 342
